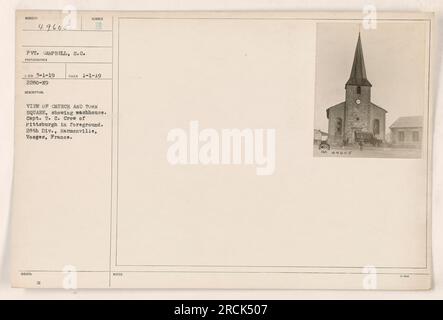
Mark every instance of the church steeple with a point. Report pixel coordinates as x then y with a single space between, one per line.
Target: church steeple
358 71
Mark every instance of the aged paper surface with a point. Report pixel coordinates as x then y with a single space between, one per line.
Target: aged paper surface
222 150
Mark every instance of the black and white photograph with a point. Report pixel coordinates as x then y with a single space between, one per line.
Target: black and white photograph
371 90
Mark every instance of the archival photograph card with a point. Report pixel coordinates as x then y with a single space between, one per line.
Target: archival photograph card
251 150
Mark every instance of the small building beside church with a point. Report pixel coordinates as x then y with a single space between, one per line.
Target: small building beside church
319 136
407 132
357 113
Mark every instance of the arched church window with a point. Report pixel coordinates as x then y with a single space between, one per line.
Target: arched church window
338 126
376 126
358 90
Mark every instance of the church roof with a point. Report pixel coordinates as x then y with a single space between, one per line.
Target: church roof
408 122
341 104
358 71
374 105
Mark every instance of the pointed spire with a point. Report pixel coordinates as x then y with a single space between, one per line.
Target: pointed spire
358 71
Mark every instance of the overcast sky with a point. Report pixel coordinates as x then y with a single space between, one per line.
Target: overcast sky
395 55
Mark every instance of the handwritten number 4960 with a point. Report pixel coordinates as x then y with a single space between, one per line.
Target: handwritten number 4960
50 27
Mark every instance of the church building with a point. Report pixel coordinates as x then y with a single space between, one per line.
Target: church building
357 113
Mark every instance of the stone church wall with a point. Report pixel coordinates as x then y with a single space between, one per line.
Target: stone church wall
336 114
377 113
